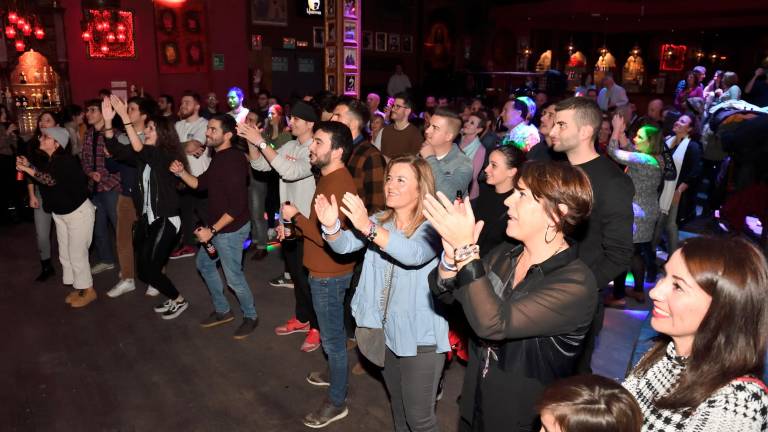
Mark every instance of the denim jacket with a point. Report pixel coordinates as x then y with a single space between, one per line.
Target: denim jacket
452 173
412 320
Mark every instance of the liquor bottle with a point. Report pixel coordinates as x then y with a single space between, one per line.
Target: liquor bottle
210 249
22 78
46 98
288 231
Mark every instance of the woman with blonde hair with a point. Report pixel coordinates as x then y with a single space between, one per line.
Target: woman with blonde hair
393 293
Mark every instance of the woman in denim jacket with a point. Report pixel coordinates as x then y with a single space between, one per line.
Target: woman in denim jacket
402 243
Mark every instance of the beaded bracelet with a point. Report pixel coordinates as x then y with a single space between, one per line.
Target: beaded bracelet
336 228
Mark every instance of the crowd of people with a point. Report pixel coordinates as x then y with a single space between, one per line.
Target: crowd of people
496 223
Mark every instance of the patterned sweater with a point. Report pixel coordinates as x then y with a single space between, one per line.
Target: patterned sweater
741 405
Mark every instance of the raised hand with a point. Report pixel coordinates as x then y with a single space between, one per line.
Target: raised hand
327 212
454 222
355 210
250 133
120 108
106 111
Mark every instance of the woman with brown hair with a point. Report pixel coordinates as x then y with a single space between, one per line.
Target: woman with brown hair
530 305
589 403
393 292
702 373
730 89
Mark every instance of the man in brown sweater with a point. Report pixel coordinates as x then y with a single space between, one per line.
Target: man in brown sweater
400 137
329 274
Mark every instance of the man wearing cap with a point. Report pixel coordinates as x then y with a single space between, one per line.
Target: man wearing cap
64 188
297 185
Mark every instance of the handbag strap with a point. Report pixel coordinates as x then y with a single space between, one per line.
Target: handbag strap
385 294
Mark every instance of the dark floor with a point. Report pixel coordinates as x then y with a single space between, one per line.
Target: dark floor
116 366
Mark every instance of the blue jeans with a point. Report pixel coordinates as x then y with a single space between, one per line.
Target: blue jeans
230 248
106 214
328 300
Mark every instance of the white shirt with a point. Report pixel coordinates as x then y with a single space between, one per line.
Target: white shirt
398 83
616 96
240 117
297 183
668 190
195 130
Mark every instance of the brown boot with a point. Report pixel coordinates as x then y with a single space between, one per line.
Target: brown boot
358 369
84 297
71 296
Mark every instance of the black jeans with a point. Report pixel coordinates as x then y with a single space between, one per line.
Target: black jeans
194 206
294 255
412 385
152 245
644 259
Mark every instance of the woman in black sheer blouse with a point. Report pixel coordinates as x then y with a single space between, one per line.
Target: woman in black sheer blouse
530 305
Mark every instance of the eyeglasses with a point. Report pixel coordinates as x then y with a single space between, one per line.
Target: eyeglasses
397 107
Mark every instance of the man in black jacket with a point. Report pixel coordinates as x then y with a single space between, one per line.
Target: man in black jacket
605 239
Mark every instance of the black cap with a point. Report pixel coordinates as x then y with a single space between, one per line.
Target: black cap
305 112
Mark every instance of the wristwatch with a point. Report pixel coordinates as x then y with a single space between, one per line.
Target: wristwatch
465 252
263 145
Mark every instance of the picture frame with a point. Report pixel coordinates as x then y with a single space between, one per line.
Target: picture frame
393 42
330 33
350 84
350 31
368 41
167 21
350 58
350 8
381 41
330 8
269 12
330 57
331 83
407 44
318 37
192 22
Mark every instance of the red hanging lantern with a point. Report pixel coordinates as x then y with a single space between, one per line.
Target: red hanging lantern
13 17
27 29
39 33
107 25
20 45
104 48
111 38
121 37
10 32
121 28
99 26
86 36
20 23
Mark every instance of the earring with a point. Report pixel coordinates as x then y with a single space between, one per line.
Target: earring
546 234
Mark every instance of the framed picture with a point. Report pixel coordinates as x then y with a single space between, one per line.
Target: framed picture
192 21
381 41
171 56
350 87
394 42
368 41
330 33
350 31
407 43
318 37
331 83
350 8
330 57
269 12
167 22
350 58
195 53
330 10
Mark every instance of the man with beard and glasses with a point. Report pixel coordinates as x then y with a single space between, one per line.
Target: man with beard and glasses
329 274
226 181
191 130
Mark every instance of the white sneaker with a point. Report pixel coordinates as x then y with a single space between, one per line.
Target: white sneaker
122 287
151 292
271 234
101 267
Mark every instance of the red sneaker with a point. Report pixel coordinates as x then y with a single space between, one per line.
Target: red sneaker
312 341
292 326
183 252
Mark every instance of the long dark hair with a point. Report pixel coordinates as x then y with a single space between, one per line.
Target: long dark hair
167 138
731 339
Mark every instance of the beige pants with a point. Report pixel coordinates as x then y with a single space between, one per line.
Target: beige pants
74 232
126 216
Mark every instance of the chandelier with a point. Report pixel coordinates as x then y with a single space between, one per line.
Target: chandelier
20 25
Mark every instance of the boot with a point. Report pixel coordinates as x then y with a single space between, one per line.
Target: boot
83 298
46 270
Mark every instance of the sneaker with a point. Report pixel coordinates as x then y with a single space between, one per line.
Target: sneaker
319 379
271 234
281 281
164 306
183 252
312 341
216 318
175 309
292 326
325 415
122 287
246 328
83 298
101 267
358 369
71 296
151 291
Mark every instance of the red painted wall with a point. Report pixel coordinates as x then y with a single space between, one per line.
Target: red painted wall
226 35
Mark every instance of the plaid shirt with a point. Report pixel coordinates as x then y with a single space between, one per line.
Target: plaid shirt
367 165
93 158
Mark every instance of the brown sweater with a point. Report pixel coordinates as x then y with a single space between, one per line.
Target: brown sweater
319 259
395 142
